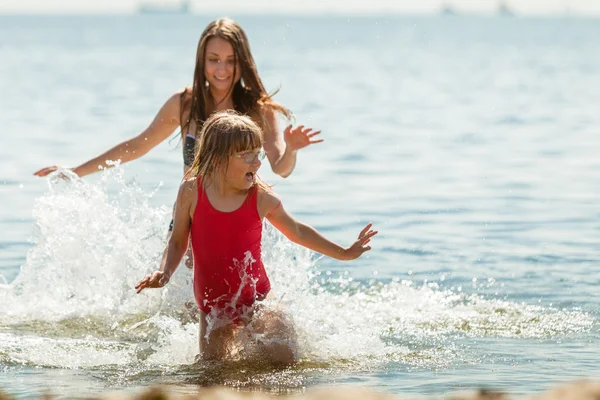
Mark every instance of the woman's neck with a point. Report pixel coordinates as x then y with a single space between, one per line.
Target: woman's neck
222 100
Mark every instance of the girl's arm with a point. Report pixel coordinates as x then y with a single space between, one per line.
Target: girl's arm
178 243
281 151
163 125
309 237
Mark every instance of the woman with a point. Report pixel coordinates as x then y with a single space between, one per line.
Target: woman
225 78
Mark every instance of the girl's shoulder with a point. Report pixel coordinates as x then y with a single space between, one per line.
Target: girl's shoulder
267 198
188 186
189 180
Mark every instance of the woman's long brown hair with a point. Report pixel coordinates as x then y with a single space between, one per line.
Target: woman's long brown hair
248 93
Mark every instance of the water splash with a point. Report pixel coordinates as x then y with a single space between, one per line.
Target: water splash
73 304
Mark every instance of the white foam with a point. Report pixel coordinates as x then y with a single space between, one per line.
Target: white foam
74 304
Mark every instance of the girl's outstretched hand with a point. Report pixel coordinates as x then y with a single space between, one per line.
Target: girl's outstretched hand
157 279
300 137
360 246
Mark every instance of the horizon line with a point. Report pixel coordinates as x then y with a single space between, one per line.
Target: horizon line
312 13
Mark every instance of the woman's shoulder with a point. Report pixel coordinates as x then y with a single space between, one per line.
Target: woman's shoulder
268 105
181 95
268 110
265 113
185 92
176 99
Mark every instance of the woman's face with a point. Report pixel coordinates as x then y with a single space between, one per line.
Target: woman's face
219 65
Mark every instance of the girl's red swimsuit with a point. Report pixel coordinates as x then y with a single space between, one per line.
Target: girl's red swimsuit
228 269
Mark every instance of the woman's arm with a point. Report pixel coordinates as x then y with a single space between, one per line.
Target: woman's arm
178 242
281 151
163 125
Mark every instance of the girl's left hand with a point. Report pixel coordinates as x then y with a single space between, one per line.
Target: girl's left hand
360 245
300 137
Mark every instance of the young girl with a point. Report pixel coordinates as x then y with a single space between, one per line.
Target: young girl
221 206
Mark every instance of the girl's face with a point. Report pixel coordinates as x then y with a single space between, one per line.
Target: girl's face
219 65
242 168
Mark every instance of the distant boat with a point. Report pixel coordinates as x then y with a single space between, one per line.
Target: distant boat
184 7
447 10
504 10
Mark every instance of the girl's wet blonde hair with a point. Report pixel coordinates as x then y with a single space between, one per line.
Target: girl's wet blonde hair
224 134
